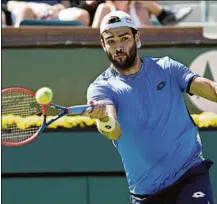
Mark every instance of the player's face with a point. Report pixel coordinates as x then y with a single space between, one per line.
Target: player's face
120 46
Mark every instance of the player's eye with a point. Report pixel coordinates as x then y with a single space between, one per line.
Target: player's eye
110 42
124 38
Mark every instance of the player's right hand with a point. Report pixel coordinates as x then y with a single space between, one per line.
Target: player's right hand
98 111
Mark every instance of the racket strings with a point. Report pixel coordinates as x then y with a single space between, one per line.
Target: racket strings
18 104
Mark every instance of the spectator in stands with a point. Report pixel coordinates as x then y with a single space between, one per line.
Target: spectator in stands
5 13
53 9
139 14
136 10
166 16
3 19
34 9
83 11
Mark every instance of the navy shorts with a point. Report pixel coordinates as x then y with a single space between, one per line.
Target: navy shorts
194 187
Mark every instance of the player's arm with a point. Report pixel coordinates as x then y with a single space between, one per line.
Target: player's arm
193 83
205 88
105 114
102 98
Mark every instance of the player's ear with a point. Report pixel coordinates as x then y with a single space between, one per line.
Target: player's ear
103 44
137 39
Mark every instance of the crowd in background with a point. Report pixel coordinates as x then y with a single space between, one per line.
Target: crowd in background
89 13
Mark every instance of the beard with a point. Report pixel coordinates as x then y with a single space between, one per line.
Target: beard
128 62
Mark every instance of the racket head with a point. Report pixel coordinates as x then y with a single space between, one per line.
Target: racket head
20 102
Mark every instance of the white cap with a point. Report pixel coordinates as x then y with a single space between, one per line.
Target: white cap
123 20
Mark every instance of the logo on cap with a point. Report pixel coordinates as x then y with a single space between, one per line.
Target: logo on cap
128 20
113 19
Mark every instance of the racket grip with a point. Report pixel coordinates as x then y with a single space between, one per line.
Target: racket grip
78 110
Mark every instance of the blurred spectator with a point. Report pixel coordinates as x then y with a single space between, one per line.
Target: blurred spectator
6 13
138 11
3 19
90 13
53 9
166 16
34 9
139 14
83 11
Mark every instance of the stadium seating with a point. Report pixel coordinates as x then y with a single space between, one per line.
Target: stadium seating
50 23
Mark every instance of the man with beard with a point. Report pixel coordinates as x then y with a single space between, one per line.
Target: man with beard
154 134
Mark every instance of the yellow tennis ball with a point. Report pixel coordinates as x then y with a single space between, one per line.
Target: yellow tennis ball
44 95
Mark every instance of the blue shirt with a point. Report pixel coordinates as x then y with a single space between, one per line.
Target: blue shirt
159 140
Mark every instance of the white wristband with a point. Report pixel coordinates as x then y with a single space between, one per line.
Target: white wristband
107 126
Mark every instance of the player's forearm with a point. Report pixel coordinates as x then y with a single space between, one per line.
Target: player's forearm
215 90
205 88
210 93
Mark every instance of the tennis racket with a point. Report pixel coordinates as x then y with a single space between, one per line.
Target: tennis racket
21 102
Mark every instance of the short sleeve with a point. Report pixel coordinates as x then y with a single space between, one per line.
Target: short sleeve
182 74
98 92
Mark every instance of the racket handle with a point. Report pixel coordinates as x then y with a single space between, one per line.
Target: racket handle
78 110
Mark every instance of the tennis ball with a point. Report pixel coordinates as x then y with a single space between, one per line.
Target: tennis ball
44 95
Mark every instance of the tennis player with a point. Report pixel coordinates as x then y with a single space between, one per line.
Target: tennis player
154 134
